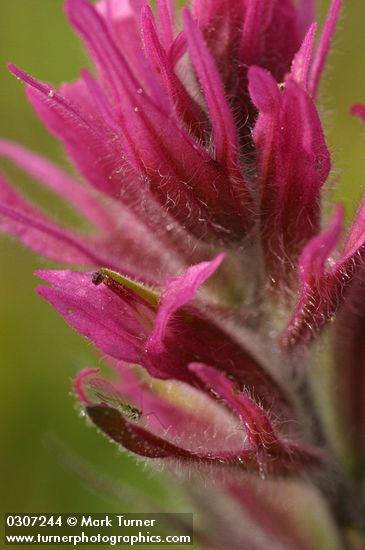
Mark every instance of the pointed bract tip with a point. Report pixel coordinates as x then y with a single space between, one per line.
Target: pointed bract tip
15 71
358 110
79 386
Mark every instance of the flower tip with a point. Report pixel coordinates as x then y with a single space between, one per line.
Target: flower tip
78 385
146 12
41 290
186 15
358 110
196 368
263 89
41 273
324 45
219 259
19 74
70 4
14 70
26 78
50 276
188 21
338 215
71 7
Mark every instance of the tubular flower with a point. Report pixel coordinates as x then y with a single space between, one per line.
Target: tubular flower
208 275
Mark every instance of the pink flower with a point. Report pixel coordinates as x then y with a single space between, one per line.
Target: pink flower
207 277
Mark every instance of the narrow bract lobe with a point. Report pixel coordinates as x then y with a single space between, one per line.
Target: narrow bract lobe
209 273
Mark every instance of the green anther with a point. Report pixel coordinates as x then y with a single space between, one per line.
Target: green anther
146 293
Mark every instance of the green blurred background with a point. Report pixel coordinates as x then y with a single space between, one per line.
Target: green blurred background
50 460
